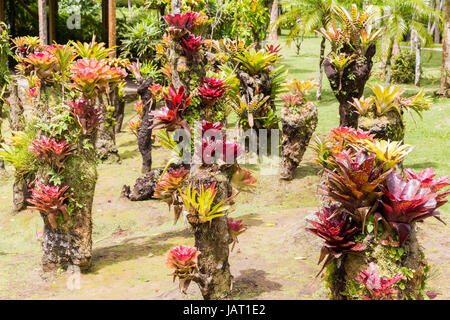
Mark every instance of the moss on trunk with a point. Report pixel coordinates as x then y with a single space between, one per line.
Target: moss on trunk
71 243
213 240
349 84
297 130
340 275
387 127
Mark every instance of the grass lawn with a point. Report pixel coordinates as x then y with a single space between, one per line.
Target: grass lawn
275 257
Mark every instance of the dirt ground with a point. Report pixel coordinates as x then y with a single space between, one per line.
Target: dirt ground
274 259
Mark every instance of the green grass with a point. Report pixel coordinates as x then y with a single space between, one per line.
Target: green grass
429 135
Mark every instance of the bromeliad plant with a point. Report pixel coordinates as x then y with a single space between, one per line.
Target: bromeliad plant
183 260
51 151
51 201
198 203
408 200
379 288
235 227
338 230
349 63
359 181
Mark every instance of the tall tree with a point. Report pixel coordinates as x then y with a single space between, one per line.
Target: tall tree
42 11
273 35
445 77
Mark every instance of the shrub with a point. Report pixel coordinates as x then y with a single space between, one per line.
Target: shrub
404 68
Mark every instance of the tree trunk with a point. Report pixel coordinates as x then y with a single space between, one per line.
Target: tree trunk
445 76
71 243
212 240
418 62
17 123
112 26
145 133
273 35
297 129
320 76
176 6
350 84
42 11
341 273
387 71
387 127
105 144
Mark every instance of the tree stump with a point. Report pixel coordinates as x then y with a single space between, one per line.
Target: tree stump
387 127
350 84
297 130
340 274
213 240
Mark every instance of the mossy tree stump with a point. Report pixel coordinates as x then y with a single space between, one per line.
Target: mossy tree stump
408 259
213 240
297 130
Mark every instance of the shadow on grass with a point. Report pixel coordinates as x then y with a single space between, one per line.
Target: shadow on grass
305 170
423 165
129 154
133 248
252 283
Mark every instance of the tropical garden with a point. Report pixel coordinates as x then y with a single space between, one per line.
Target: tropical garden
224 149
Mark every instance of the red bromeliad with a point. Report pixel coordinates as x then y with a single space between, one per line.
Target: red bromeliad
185 20
235 228
338 231
380 288
51 151
183 260
85 114
50 201
291 100
212 90
156 90
355 183
191 44
426 178
226 151
406 201
169 116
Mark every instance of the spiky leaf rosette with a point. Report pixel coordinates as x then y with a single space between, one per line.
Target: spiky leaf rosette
50 201
235 228
243 180
406 201
169 116
338 231
85 115
427 180
51 151
44 64
341 138
185 21
212 90
91 75
354 183
183 260
191 45
380 288
167 187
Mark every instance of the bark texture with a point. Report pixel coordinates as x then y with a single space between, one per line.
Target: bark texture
387 127
145 133
213 240
350 84
445 77
17 123
105 144
71 242
297 130
144 187
340 275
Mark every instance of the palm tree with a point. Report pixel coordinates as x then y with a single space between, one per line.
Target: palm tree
399 18
309 15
